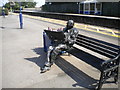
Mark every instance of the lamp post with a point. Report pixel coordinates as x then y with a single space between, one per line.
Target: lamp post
20 17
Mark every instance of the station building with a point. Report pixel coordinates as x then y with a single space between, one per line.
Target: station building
90 7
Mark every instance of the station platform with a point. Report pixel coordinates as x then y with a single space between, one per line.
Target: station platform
23 55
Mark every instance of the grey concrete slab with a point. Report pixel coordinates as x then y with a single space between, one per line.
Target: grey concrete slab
23 56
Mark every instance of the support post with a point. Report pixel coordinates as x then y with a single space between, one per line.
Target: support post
20 17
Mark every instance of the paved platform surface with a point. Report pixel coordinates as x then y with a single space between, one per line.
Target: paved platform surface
23 55
87 27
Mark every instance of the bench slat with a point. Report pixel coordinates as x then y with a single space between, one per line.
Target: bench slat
98 47
96 50
99 44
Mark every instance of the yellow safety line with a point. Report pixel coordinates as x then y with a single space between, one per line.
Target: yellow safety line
77 25
101 32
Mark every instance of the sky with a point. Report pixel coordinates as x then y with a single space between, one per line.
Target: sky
39 2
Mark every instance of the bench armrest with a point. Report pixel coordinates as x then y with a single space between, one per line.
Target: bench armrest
111 63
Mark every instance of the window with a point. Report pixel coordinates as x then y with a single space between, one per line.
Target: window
98 6
92 6
81 7
87 6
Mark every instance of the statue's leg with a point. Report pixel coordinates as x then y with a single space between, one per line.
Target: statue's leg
48 63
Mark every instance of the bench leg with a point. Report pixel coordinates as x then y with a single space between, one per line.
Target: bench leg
105 75
116 75
101 81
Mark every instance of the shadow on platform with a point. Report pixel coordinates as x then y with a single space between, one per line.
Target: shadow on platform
80 77
86 57
10 28
40 60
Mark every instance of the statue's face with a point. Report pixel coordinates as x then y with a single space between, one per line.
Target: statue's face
70 24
